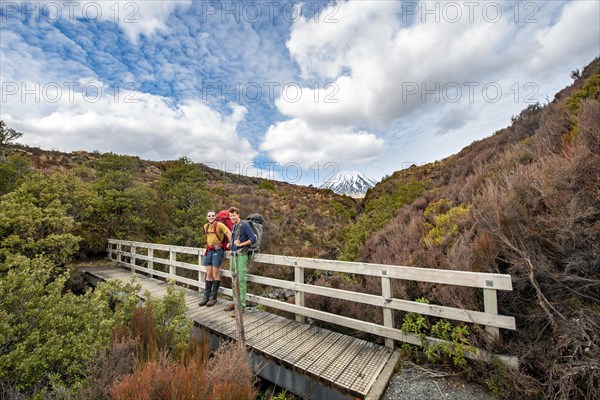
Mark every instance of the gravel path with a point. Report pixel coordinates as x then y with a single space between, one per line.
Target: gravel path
417 383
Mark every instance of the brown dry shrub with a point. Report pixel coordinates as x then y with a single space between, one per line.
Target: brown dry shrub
142 330
545 220
576 375
484 253
228 374
9 390
109 368
162 379
459 257
589 125
398 243
555 124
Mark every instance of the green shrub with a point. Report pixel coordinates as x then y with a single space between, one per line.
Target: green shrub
377 214
455 338
31 230
182 202
15 167
589 90
110 162
268 185
444 226
341 209
46 331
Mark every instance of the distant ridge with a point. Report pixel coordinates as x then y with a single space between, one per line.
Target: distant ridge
350 183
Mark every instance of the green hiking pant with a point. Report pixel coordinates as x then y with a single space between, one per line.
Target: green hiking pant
239 264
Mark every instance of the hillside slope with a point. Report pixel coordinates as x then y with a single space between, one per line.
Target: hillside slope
172 197
525 201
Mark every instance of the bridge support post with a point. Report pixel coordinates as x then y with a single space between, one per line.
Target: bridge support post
490 306
299 279
388 313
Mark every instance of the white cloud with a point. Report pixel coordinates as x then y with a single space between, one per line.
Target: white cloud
294 141
133 17
372 55
574 37
398 73
375 56
133 123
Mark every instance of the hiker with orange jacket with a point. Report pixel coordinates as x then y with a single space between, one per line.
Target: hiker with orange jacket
216 233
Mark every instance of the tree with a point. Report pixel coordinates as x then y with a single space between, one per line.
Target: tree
48 215
7 137
123 207
182 202
12 169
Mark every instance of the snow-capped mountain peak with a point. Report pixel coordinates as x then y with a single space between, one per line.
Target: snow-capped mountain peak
351 183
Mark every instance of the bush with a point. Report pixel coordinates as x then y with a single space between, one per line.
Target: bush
108 368
443 227
589 90
267 185
226 376
46 332
15 167
182 201
378 213
58 204
162 379
31 230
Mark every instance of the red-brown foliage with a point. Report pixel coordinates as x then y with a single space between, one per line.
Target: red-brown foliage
162 379
142 329
227 376
109 368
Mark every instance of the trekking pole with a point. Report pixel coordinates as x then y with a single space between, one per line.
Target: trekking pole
239 320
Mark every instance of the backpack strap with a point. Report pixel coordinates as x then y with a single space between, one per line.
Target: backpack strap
236 232
215 231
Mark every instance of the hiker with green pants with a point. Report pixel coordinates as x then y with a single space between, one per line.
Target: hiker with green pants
242 236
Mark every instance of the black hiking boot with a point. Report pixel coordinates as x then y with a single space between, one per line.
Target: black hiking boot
207 291
213 293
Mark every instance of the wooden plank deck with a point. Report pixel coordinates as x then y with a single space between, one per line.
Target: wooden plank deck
347 364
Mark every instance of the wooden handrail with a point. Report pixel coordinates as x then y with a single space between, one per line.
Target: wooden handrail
490 283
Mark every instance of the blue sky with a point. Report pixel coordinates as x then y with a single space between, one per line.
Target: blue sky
288 90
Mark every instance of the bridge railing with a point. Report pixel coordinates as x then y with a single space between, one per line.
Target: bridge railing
127 253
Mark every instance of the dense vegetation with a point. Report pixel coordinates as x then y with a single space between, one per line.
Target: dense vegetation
526 202
166 202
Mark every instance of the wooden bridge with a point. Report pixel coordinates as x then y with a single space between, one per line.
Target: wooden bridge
307 360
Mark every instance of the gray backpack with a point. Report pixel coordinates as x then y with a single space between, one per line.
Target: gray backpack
256 222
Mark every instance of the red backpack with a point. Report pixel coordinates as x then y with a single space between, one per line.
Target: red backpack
223 217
